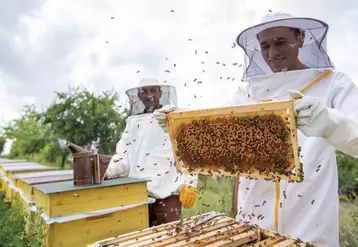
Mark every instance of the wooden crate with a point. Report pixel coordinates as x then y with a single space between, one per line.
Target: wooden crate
255 141
221 231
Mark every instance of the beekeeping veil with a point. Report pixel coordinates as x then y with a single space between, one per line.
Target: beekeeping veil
313 54
153 92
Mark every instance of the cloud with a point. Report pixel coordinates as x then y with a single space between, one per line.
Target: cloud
46 45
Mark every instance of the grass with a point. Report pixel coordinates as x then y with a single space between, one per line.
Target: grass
348 223
213 196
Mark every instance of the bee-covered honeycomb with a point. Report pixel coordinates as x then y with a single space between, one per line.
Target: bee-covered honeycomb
237 144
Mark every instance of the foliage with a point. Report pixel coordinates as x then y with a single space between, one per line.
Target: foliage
348 225
81 117
12 225
28 133
2 143
347 174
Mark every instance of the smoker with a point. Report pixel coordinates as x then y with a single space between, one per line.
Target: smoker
88 168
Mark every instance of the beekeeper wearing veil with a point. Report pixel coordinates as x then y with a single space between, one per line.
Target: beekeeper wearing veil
145 151
286 57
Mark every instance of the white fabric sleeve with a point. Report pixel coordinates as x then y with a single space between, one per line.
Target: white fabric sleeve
119 165
191 180
344 97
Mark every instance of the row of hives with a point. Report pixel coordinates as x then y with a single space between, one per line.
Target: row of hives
69 215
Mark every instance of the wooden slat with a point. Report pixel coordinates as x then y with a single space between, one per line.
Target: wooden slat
285 243
269 242
211 236
145 232
222 231
238 240
171 236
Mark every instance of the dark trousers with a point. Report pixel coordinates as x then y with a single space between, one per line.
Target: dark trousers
164 210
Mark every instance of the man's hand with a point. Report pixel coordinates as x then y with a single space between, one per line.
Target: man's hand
188 196
160 115
312 115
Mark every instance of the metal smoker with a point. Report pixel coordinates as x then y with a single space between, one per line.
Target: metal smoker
88 168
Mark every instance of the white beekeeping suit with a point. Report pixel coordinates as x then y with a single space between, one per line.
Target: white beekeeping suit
145 150
327 119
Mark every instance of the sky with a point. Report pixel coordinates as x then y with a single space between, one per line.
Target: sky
45 46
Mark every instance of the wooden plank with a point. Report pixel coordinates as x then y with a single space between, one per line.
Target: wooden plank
285 243
24 176
68 186
171 236
237 240
48 179
282 108
269 242
145 232
235 195
224 231
19 164
211 237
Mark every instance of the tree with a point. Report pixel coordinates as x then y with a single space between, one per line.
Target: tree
2 143
81 117
28 133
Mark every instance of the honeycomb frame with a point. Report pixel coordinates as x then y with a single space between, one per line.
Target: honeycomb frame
282 110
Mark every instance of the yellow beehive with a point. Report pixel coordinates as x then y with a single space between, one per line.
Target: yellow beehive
6 162
256 141
221 231
80 215
24 182
9 170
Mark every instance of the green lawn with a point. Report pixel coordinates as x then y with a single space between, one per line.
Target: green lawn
214 196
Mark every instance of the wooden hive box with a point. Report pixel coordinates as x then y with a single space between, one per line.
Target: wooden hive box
8 171
78 216
255 141
221 231
24 182
6 162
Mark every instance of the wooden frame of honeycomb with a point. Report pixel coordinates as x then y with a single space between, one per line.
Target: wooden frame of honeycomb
221 231
253 141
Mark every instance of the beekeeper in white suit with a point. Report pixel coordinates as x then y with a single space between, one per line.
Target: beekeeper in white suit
286 57
145 151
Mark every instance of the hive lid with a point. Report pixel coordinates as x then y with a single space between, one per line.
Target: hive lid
27 167
68 185
254 141
6 161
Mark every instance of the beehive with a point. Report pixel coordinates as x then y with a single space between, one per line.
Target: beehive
78 215
24 182
7 171
255 141
221 231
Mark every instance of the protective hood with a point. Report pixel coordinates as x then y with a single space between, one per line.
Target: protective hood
313 54
150 95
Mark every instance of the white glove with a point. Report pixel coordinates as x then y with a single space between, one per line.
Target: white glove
313 116
160 115
117 168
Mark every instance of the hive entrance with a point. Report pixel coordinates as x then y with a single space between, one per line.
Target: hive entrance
252 141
